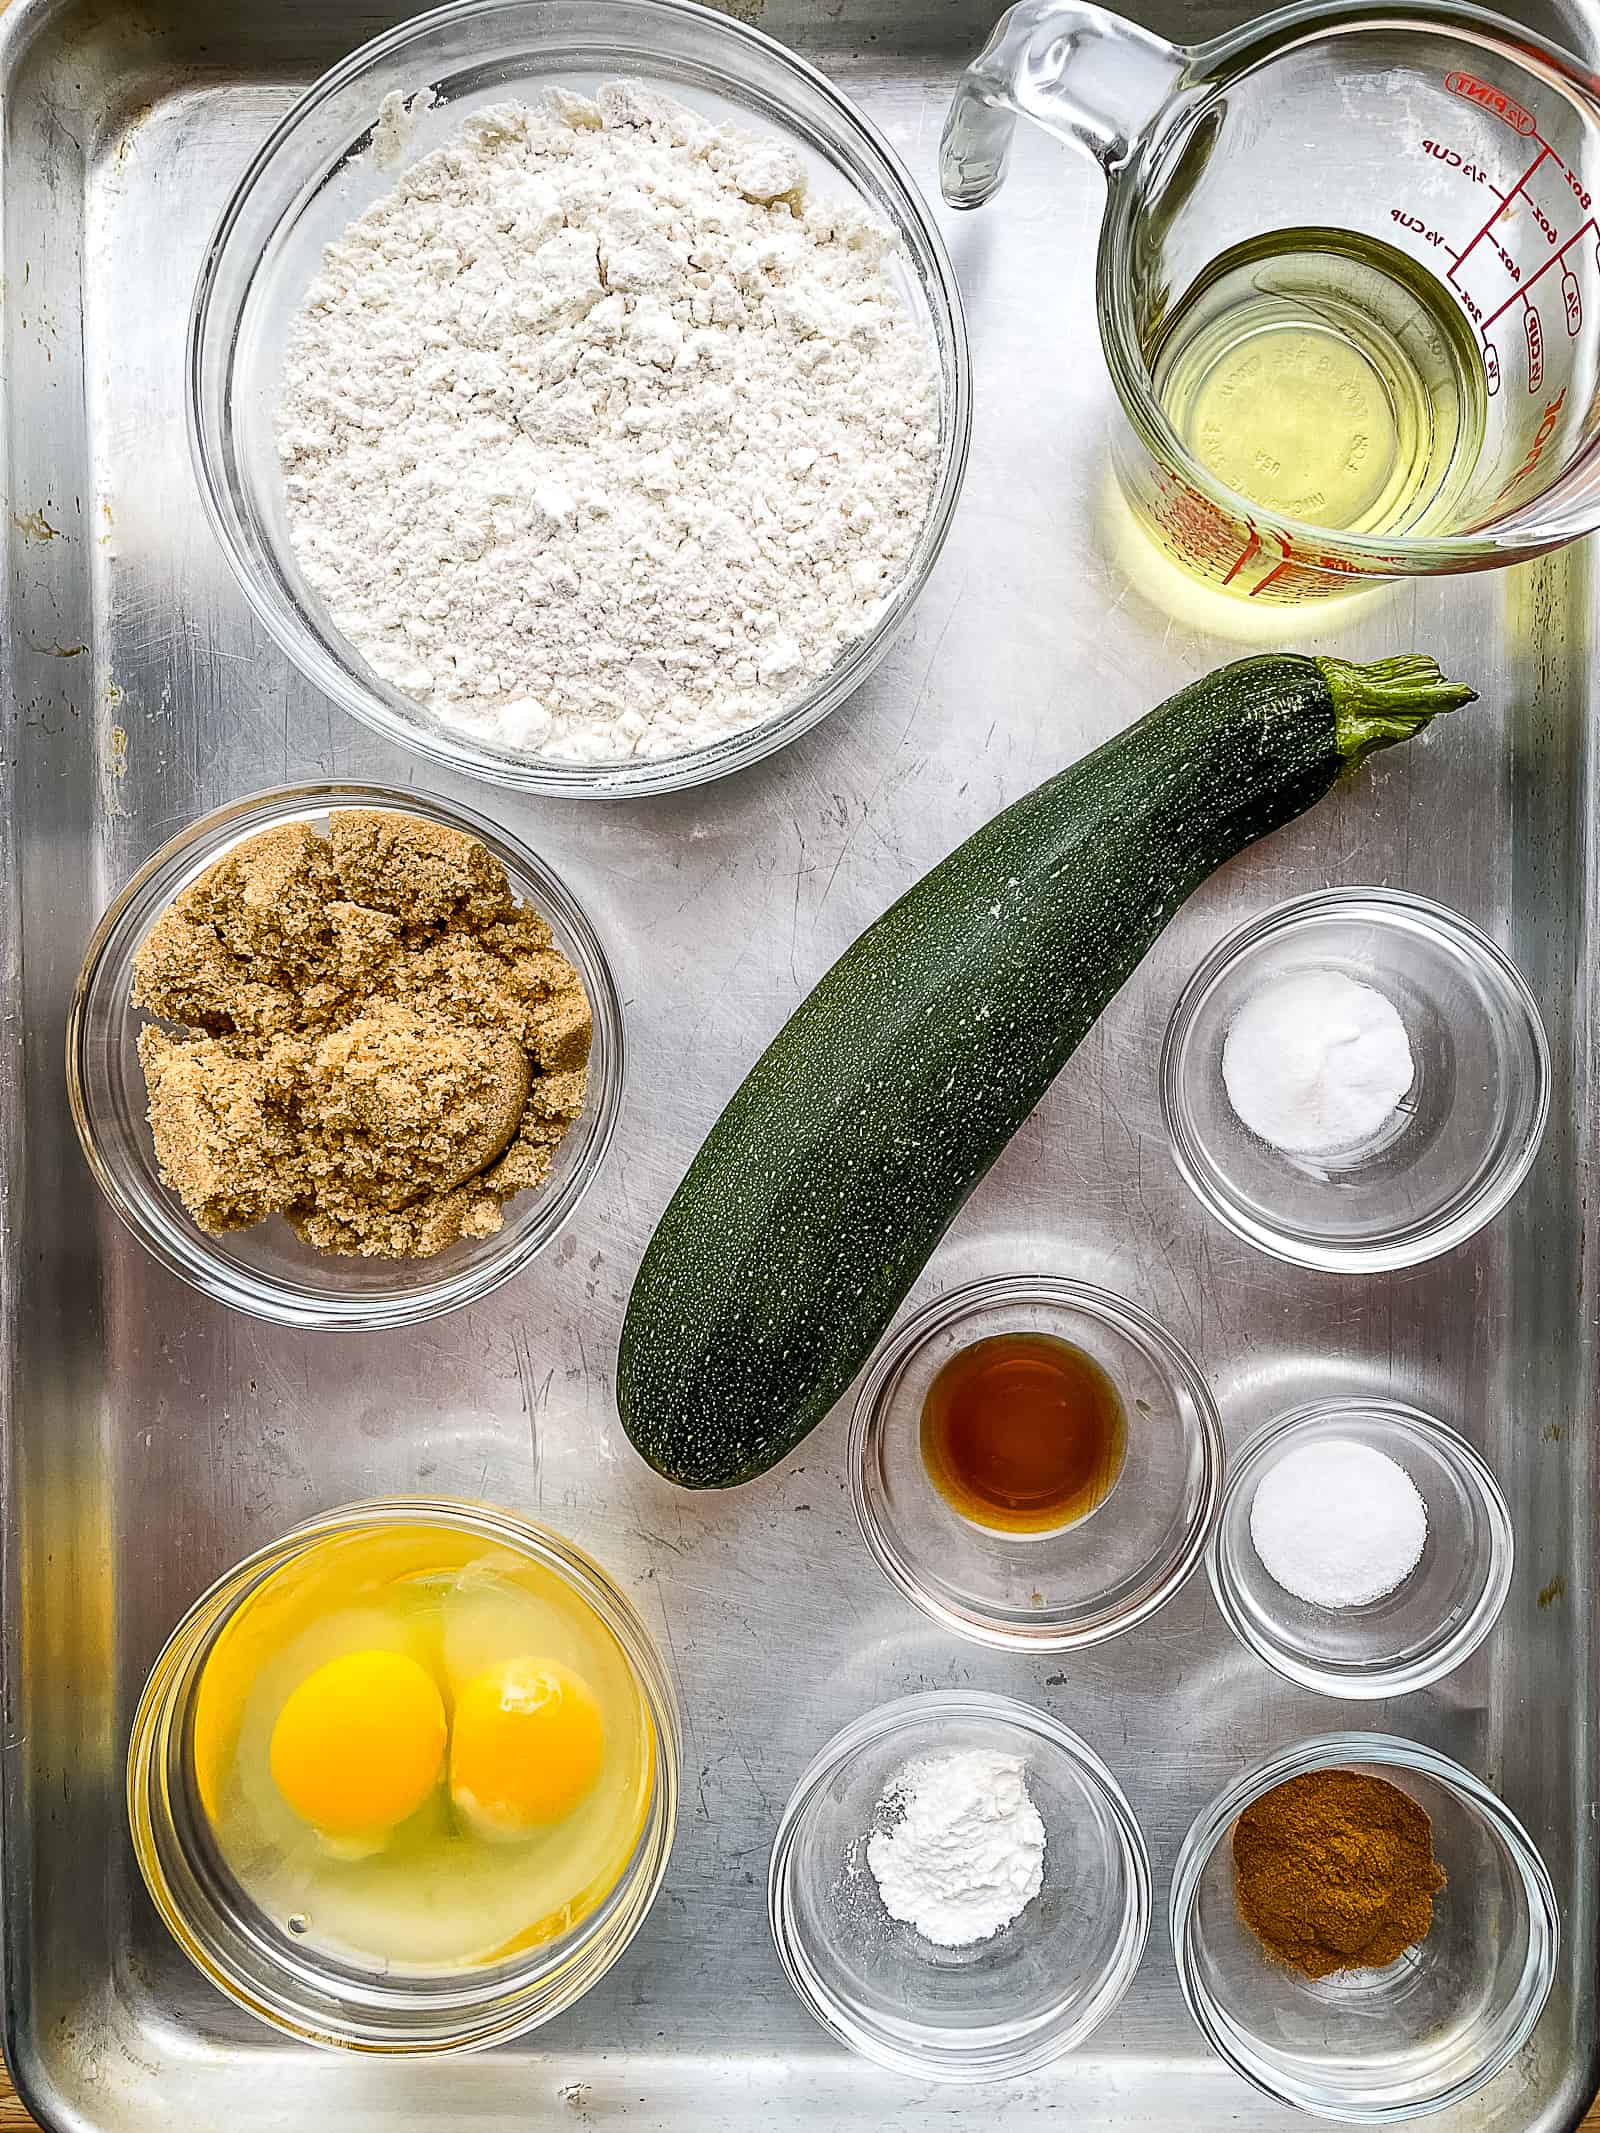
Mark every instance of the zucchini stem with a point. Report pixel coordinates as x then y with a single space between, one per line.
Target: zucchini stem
1385 701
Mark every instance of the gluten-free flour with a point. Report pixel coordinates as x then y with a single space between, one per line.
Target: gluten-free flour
602 436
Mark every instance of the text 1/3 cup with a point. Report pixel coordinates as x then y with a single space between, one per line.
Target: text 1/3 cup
1348 282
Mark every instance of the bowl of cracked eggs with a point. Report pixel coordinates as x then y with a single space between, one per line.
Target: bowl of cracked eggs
405 1781
580 392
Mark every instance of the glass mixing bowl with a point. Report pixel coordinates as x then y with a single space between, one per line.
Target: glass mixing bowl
267 1270
291 1984
1374 2046
1461 1140
311 180
1072 1585
996 2008
1434 1618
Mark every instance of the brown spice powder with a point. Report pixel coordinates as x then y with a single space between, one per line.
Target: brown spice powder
377 1041
1335 1871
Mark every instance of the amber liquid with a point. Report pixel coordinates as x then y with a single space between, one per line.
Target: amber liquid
1023 1433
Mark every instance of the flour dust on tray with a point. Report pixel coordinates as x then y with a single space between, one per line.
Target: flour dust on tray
602 435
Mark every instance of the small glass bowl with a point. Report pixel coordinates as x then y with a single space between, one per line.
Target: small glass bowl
311 179
266 1270
290 1984
1074 1585
997 2008
1373 2046
1464 1136
1414 1635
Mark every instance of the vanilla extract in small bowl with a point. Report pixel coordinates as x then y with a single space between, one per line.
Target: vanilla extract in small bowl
1035 1462
1024 1433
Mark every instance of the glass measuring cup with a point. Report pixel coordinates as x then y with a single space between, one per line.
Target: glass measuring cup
1317 205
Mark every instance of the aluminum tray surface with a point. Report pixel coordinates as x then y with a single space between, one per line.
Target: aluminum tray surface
153 1438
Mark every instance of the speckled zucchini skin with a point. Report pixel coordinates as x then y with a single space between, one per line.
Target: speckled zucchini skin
857 1136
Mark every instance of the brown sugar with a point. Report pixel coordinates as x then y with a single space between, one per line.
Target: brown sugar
375 1040
1335 1871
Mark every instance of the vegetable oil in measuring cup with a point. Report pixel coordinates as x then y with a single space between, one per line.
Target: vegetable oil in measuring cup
1326 376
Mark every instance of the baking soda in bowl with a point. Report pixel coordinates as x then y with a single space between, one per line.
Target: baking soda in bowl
1316 1063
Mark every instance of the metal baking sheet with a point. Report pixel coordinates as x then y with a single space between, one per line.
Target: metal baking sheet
152 1438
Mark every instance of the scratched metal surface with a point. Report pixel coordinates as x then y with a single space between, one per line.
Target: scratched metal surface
153 1438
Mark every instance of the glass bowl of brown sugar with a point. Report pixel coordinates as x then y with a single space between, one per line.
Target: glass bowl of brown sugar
345 1057
1386 1992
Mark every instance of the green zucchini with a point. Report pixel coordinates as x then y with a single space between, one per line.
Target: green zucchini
854 1140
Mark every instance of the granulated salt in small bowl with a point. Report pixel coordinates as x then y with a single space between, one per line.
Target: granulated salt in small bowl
266 1270
1372 2047
997 2007
1439 1609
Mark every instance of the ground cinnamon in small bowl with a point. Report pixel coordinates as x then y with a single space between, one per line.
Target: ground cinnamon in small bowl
1335 1871
374 1039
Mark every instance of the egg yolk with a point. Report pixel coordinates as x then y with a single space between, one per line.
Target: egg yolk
360 1744
526 1745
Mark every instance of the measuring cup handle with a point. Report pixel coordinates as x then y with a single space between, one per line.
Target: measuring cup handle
1079 72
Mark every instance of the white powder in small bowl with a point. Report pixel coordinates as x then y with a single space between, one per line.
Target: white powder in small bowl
1316 1063
1338 1524
961 1850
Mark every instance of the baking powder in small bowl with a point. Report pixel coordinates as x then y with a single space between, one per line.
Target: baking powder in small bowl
959 1852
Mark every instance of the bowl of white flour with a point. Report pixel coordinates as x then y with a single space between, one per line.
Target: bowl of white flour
580 392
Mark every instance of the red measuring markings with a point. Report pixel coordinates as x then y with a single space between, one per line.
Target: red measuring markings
1294 576
1473 242
1518 244
1538 274
1488 98
1231 549
1303 578
1541 438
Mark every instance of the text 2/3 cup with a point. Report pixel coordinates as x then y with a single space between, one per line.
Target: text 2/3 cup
1348 281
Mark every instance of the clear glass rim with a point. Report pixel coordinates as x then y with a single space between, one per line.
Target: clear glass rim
987 2062
868 1420
1388 1751
1534 527
1420 1241
165 1229
210 434
453 2012
1368 1684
